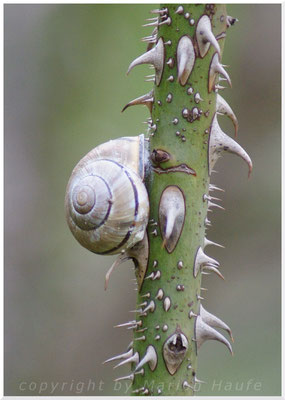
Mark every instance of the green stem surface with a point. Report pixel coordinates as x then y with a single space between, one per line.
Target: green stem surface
187 143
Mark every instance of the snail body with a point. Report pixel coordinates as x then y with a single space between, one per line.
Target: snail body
106 201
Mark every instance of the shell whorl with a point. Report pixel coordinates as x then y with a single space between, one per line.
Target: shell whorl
106 201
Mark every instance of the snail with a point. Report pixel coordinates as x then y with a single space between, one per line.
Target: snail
107 206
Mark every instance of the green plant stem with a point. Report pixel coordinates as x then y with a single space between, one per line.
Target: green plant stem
187 144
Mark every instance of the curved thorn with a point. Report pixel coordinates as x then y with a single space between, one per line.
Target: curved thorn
185 59
212 269
216 68
145 100
150 357
202 259
223 107
204 332
155 56
205 36
220 142
214 321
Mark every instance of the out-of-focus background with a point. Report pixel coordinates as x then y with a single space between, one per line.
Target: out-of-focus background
65 86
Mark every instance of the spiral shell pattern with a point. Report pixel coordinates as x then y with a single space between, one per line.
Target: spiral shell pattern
106 202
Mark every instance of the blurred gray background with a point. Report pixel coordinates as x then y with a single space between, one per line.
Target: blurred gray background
65 85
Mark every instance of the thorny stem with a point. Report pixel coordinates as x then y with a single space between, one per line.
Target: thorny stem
175 292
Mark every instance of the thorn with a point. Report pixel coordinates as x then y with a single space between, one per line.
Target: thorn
223 107
132 327
150 307
207 197
211 204
149 358
185 59
179 10
150 276
166 21
192 314
139 390
135 358
155 56
170 62
220 142
213 269
152 19
214 321
167 304
195 113
140 372
144 314
216 68
231 21
141 330
157 275
160 12
149 39
140 338
210 243
198 380
170 79
119 260
155 23
219 87
197 98
207 222
120 356
185 385
147 295
214 187
171 216
130 346
202 259
153 276
123 378
145 100
159 294
205 332
155 262
130 323
205 36
154 223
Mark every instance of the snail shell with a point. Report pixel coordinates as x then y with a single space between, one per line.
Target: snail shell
106 201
